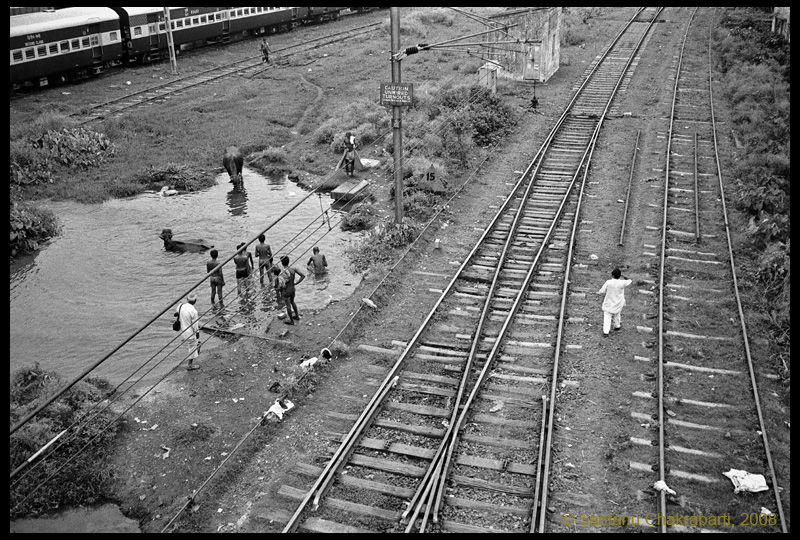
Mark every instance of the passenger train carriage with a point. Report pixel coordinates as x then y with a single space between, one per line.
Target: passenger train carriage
73 43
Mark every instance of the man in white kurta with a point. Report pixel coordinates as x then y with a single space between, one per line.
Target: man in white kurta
614 301
187 314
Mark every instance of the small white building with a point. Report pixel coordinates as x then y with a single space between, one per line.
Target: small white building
780 21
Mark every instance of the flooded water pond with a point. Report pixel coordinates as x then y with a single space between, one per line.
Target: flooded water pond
108 273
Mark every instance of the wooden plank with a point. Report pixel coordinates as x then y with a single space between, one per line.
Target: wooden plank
315 524
425 410
494 441
430 378
416 430
481 506
387 465
455 527
348 190
347 506
499 421
492 486
485 463
363 483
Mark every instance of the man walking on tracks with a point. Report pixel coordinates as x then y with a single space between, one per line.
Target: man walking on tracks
614 301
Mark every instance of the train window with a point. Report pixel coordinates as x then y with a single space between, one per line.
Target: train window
162 27
203 19
151 29
54 48
112 36
29 54
65 46
41 51
95 41
195 20
238 12
179 23
137 30
85 42
76 44
188 22
17 56
247 11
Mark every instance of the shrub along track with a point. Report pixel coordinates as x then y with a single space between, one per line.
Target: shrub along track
398 434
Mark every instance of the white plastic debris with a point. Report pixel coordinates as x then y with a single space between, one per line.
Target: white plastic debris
766 511
369 302
278 411
662 486
308 364
593 257
745 481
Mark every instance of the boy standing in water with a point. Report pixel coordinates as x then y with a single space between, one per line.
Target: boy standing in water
318 262
614 300
264 254
216 278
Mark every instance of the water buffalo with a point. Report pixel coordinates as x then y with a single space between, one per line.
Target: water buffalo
194 245
233 162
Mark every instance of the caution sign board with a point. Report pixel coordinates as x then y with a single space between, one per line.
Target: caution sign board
401 95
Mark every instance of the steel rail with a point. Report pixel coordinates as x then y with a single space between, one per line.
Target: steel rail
662 508
628 191
435 469
696 196
346 447
438 470
762 425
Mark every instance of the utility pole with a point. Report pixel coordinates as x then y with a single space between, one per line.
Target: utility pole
397 133
170 44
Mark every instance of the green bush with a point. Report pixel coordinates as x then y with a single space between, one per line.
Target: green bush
30 226
85 479
360 218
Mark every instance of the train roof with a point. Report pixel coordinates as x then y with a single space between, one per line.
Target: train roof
43 21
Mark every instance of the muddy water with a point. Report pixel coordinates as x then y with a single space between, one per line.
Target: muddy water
102 519
108 273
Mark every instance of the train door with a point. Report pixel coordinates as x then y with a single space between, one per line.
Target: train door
97 48
226 27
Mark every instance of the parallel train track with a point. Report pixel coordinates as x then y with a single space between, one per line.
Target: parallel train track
454 422
708 415
247 67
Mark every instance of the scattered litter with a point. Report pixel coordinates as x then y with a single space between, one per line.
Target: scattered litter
766 511
308 364
620 201
662 486
593 257
745 481
278 409
224 454
128 83
194 425
65 93
151 428
235 327
235 400
165 455
569 465
194 508
142 497
369 302
219 511
497 406
207 458
216 402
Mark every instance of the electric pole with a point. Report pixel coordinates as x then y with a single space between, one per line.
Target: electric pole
397 133
170 44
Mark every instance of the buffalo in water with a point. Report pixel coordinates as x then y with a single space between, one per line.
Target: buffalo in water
233 162
194 245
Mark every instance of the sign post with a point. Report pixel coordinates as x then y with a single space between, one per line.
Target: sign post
397 134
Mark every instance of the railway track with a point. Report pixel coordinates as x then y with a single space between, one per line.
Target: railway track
248 67
457 437
708 415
